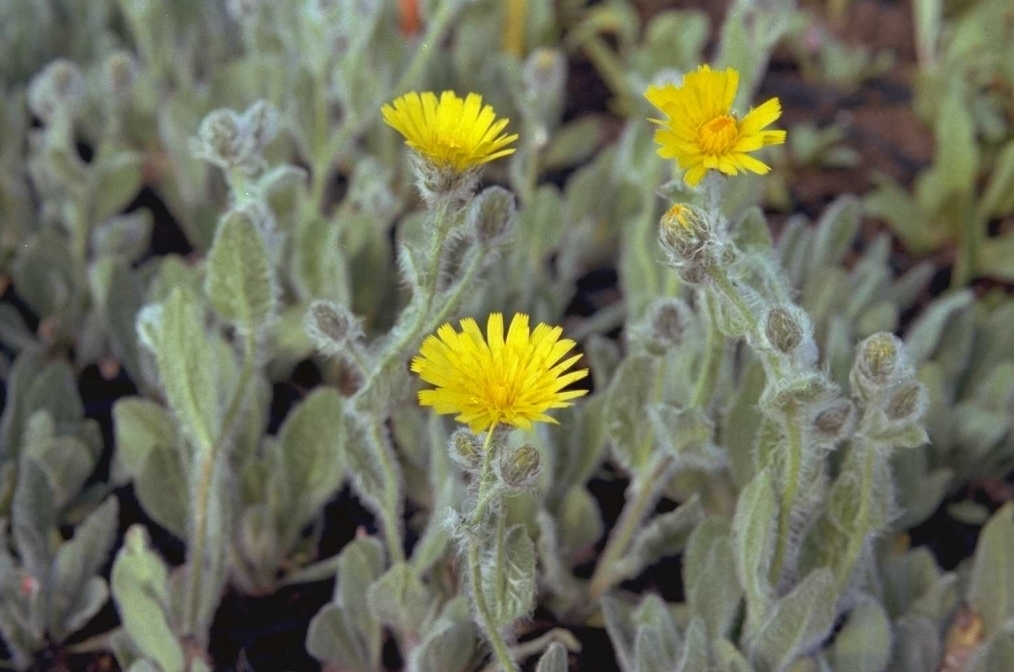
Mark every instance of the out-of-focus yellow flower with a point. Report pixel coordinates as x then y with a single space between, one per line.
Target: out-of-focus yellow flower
451 133
700 131
496 381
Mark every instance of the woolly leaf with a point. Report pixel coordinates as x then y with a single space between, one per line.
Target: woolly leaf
240 281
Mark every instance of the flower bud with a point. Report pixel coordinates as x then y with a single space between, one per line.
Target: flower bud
789 331
466 449
57 90
492 216
684 232
812 390
235 141
332 328
519 467
907 402
667 322
834 423
880 361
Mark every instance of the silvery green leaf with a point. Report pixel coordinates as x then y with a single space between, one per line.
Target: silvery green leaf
556 574
715 594
628 395
66 460
553 660
796 623
123 302
742 421
621 631
686 434
34 516
127 236
928 332
319 266
864 643
332 638
449 645
657 641
728 658
754 532
55 390
187 368
91 597
361 447
117 180
835 232
664 535
162 489
991 584
361 563
48 277
140 585
310 441
76 562
140 425
509 588
580 522
399 599
240 281
696 653
909 287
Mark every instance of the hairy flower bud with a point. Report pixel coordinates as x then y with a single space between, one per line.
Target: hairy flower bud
57 90
686 234
907 402
880 362
332 328
834 423
492 216
235 141
788 330
466 449
519 467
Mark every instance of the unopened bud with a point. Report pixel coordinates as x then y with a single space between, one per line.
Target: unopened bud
332 327
880 361
492 215
667 322
466 449
520 466
808 390
229 140
118 73
907 402
57 90
687 237
835 422
782 330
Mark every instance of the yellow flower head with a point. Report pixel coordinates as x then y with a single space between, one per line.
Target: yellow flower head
700 130
513 381
453 133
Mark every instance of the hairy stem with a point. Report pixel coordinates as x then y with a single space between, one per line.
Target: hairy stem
793 466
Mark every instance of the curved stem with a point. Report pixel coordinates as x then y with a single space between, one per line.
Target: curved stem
715 348
855 542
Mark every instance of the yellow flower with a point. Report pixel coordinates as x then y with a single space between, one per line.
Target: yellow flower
453 133
700 131
513 382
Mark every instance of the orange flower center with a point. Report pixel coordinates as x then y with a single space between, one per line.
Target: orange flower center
718 135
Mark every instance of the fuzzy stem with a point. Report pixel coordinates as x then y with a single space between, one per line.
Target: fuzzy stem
715 348
793 465
855 542
496 640
392 497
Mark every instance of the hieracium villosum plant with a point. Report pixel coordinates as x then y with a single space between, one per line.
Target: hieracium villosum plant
297 338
